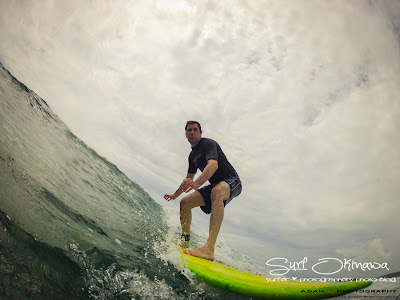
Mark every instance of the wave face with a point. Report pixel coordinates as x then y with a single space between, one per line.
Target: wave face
63 207
73 226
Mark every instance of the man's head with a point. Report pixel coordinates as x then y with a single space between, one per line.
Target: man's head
192 122
193 132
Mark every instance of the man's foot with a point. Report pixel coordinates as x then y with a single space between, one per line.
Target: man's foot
182 243
202 252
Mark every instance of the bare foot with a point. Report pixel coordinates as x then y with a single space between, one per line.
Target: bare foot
202 252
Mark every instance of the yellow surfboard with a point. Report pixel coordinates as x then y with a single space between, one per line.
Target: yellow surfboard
231 279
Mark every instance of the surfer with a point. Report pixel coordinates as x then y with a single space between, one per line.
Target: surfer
225 185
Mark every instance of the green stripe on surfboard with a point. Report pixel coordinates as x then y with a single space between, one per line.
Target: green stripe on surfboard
228 278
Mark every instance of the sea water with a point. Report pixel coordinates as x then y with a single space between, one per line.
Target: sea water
73 226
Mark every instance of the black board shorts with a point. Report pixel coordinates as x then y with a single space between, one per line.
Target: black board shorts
236 188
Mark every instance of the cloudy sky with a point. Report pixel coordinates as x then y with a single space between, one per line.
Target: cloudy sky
303 97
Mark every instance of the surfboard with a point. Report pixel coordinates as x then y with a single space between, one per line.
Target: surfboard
248 284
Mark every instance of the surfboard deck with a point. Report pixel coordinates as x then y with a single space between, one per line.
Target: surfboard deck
231 279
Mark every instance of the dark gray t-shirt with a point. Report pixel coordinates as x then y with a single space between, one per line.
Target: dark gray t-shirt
208 149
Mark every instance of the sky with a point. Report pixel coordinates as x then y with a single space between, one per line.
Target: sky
302 96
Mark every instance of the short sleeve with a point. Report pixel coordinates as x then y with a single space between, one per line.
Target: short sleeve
211 151
192 168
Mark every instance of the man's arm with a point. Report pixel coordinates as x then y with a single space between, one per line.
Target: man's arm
182 188
208 172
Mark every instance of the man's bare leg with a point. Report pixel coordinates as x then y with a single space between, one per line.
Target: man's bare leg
219 194
187 203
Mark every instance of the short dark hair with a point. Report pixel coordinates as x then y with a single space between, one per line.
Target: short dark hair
192 122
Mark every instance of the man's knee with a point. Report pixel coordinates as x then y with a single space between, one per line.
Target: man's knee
220 192
185 203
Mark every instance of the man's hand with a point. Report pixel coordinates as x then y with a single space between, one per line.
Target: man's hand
194 186
186 184
169 197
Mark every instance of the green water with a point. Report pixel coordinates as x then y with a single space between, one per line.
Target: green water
73 226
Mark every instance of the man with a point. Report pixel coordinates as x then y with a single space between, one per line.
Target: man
225 184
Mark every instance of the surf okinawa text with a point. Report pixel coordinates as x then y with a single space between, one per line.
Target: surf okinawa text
330 265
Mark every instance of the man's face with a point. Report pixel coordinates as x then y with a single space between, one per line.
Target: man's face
193 134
